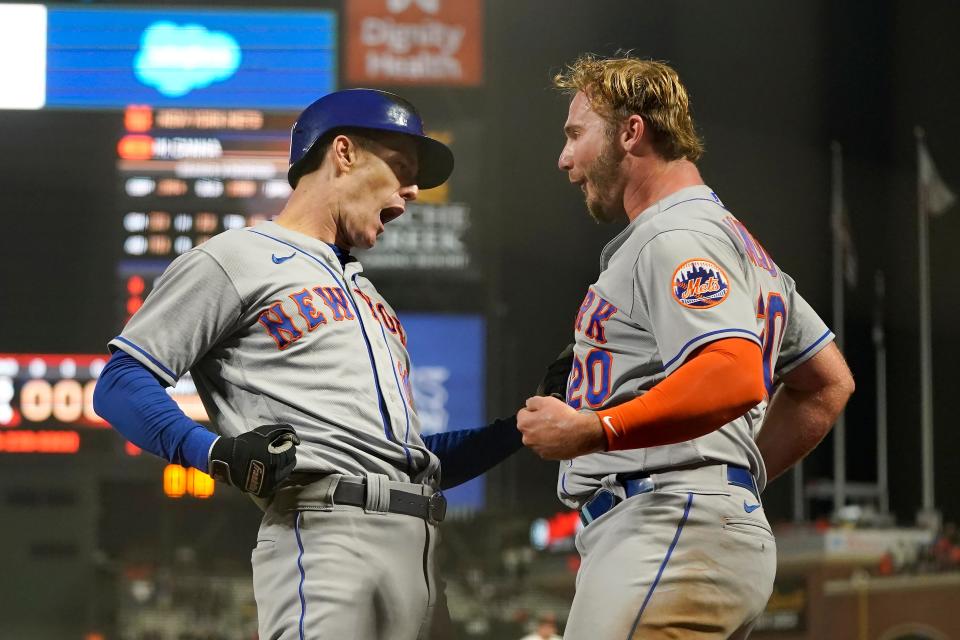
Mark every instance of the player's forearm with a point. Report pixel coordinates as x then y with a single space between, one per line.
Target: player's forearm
468 453
795 423
803 409
131 399
718 384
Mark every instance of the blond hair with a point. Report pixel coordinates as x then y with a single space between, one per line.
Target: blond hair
620 87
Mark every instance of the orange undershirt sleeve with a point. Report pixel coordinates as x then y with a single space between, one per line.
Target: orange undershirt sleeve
718 383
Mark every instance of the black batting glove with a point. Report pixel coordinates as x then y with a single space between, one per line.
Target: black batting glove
554 381
256 461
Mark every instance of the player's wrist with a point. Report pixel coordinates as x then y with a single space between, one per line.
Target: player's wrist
613 428
596 436
210 452
195 448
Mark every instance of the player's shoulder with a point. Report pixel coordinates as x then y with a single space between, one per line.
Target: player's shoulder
230 241
238 253
695 213
239 250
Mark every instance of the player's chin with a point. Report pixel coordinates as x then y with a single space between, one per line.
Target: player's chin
369 240
600 212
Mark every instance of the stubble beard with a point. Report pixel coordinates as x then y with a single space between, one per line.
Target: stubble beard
604 175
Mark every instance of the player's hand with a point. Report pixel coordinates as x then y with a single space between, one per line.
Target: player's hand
556 431
256 461
554 381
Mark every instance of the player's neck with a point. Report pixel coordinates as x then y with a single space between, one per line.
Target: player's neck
310 215
654 179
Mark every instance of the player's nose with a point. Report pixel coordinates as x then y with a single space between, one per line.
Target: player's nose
409 192
565 161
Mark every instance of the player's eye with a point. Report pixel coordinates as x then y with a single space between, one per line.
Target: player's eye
404 172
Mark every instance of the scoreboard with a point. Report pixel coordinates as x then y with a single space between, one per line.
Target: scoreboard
175 152
46 402
184 175
40 389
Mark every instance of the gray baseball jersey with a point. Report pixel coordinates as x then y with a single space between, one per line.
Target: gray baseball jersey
682 274
274 329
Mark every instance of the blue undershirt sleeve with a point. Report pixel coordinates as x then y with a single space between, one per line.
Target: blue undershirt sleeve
467 453
134 401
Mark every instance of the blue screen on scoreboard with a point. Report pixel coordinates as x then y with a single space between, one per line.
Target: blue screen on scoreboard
109 58
449 383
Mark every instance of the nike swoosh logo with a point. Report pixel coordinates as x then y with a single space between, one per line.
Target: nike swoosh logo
608 423
281 259
750 508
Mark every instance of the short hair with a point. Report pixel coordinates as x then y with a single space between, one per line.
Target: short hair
620 87
363 138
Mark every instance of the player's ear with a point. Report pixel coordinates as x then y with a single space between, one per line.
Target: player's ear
344 152
631 133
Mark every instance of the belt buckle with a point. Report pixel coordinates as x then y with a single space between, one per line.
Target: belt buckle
436 508
601 502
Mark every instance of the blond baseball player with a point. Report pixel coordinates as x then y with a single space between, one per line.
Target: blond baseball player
699 374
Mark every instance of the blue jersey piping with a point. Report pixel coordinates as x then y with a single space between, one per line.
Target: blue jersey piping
663 565
406 413
387 430
807 350
684 348
148 356
303 574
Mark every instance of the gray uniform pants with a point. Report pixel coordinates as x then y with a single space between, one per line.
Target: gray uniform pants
695 558
324 571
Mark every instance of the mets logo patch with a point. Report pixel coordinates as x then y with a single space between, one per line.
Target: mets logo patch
700 284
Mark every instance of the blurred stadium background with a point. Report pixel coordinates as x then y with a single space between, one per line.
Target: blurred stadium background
119 155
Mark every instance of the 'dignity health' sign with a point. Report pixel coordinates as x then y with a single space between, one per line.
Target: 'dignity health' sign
414 42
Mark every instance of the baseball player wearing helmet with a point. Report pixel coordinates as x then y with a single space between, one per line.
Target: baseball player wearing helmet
699 374
302 367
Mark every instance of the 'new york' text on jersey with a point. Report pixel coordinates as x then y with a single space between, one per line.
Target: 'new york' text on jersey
274 329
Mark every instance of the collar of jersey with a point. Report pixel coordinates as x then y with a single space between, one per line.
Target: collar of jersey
696 192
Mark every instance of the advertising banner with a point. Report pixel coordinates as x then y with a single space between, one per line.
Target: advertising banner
109 58
414 42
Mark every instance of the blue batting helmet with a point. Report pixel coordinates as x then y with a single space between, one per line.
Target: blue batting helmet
368 109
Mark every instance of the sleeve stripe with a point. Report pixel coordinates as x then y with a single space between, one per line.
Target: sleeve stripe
806 351
705 335
149 357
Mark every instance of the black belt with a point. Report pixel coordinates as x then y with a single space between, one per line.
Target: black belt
430 508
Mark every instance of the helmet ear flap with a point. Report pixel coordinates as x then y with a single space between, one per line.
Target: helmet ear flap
311 159
301 158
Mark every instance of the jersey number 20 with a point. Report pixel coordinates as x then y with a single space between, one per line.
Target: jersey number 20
594 373
590 378
772 335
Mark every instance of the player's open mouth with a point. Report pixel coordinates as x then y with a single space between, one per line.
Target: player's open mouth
390 213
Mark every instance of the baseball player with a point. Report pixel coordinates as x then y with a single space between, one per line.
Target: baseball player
691 340
302 367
